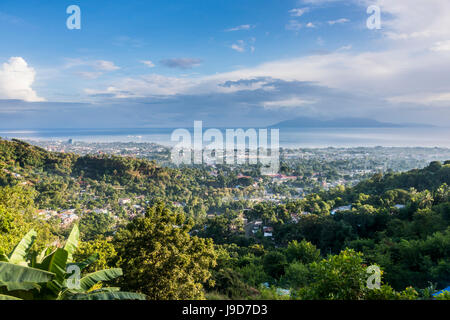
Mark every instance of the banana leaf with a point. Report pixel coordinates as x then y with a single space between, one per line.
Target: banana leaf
55 263
44 253
19 253
91 279
15 273
5 297
72 242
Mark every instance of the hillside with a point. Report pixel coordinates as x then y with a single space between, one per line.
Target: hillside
131 209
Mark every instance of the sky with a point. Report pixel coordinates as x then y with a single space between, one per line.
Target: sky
229 63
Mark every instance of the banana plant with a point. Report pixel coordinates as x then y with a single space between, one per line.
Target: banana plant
16 277
52 275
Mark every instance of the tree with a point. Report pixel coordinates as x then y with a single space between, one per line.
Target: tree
18 215
340 277
344 277
297 275
274 263
304 252
161 259
102 248
95 223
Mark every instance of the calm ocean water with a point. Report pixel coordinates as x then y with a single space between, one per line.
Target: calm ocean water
323 137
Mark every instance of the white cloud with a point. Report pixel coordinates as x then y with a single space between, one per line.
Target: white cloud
16 80
338 21
417 21
105 65
310 25
90 69
298 12
345 48
148 63
241 27
239 46
146 86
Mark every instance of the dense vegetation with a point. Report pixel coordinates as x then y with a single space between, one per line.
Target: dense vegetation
320 248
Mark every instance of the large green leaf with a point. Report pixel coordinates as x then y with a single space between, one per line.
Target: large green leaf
91 279
109 296
55 263
19 253
72 242
5 297
15 273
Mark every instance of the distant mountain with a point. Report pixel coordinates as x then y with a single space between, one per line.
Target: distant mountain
304 122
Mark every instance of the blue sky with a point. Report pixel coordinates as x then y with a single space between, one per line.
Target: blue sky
226 62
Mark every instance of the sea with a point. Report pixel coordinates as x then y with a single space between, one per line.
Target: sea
288 137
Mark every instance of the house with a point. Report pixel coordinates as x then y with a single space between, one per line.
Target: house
178 204
47 214
101 211
124 201
268 231
68 219
343 208
278 178
280 291
283 292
